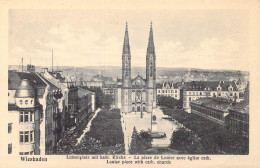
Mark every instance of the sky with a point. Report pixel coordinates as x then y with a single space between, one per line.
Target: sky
207 39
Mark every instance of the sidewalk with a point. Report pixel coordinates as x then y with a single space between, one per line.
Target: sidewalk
88 126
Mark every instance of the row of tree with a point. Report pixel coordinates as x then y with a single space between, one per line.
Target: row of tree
105 135
168 101
102 100
212 138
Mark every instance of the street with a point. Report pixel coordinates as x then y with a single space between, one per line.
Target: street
133 119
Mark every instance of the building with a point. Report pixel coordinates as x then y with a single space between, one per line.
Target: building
86 107
69 100
53 125
137 94
71 103
239 118
31 105
200 89
63 101
169 89
110 89
214 109
93 83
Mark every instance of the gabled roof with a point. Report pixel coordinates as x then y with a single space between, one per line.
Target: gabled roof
209 85
14 80
49 83
138 82
140 77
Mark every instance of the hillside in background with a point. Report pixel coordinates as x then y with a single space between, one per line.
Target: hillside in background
163 74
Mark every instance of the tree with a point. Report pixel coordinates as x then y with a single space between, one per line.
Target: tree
102 100
140 142
186 142
133 146
168 101
107 101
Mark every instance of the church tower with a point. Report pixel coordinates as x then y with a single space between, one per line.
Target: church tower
126 74
151 72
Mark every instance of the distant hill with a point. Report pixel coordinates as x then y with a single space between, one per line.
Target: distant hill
163 74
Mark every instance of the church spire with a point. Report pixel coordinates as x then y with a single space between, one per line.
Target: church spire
150 48
150 60
126 47
126 60
151 43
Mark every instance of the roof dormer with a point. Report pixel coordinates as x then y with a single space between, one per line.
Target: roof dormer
230 88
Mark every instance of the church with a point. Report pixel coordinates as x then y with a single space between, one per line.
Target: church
137 94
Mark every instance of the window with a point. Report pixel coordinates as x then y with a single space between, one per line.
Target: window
21 102
175 91
26 102
231 94
26 136
21 136
21 117
9 128
32 136
159 91
31 101
9 148
26 117
31 117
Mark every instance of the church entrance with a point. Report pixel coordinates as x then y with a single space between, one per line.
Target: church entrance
138 108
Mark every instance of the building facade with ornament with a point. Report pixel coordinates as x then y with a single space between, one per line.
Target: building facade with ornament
137 94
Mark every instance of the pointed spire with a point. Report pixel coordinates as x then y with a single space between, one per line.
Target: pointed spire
151 43
126 47
150 48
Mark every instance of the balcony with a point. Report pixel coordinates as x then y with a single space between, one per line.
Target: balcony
26 126
26 147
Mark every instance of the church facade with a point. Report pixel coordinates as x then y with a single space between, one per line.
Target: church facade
137 94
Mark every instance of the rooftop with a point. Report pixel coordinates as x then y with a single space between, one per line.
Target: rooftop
242 107
215 103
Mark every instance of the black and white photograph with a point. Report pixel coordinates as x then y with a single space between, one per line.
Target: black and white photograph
124 83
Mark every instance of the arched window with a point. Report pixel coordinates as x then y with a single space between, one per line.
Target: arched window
143 108
21 102
26 102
